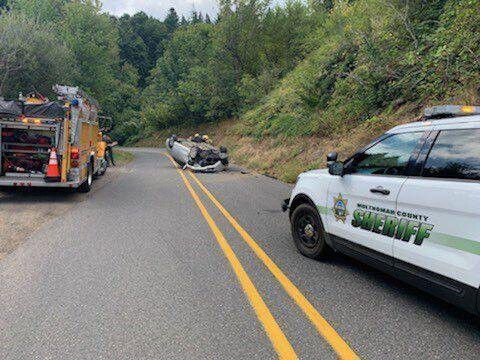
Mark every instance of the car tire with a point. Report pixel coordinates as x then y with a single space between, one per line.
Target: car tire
87 184
308 232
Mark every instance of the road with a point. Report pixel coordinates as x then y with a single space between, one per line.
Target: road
150 268
24 210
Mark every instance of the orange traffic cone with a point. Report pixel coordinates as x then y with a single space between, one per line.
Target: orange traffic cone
53 171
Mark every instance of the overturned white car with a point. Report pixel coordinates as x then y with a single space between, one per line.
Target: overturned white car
197 154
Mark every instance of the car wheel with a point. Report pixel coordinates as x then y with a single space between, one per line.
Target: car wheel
87 184
308 232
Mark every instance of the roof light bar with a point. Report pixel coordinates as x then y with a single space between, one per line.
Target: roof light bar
447 111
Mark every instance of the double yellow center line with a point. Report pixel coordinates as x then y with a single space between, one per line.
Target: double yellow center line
279 341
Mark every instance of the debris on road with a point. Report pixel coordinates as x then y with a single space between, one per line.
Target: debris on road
197 153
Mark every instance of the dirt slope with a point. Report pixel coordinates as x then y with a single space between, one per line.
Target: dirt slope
285 157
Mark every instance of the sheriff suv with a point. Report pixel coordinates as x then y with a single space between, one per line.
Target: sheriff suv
408 203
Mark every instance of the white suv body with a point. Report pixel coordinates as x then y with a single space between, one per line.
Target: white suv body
408 203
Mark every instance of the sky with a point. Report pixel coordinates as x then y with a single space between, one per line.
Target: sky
159 8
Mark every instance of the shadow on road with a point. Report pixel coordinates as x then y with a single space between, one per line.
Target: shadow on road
419 300
29 195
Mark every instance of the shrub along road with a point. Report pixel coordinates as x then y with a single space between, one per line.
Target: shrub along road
152 267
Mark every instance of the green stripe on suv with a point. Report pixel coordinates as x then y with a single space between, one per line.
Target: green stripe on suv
323 210
455 242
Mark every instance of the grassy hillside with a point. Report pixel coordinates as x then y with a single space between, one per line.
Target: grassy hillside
370 58
281 156
369 65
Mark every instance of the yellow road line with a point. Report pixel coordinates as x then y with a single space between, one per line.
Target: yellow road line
279 341
342 349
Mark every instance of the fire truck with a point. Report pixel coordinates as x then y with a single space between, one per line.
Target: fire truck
47 143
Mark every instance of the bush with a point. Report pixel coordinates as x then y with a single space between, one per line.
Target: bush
367 57
452 65
24 63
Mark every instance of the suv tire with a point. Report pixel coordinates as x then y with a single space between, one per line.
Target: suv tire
308 232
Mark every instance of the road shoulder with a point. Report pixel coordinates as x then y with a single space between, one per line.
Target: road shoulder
24 211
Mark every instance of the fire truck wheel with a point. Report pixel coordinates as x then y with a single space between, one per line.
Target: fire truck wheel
87 184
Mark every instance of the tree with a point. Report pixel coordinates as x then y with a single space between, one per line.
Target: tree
152 31
196 18
207 19
24 63
322 5
241 22
182 82
141 42
44 11
93 38
171 21
132 48
183 21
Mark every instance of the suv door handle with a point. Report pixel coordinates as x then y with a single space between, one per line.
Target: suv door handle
380 190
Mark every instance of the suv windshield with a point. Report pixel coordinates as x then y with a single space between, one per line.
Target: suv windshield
388 157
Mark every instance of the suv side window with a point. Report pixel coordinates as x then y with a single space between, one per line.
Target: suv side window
455 155
388 157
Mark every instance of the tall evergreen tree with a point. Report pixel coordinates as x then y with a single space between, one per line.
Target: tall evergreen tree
183 21
141 42
171 21
195 18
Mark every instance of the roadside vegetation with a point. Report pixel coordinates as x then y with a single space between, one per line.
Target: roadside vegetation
122 157
279 85
361 67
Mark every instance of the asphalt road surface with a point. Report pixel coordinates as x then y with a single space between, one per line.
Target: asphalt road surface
152 267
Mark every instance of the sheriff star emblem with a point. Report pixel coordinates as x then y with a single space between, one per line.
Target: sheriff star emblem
340 208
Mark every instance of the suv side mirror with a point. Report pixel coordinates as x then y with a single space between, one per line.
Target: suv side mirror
332 157
336 168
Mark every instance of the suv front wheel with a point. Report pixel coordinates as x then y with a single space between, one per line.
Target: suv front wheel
308 232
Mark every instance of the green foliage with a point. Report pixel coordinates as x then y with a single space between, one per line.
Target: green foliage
171 21
41 11
128 126
453 61
367 56
132 47
142 41
93 40
213 71
44 42
303 68
185 81
24 63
